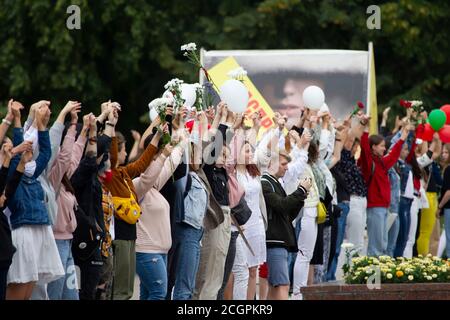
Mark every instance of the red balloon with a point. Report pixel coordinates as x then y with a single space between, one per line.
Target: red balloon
444 134
446 109
428 132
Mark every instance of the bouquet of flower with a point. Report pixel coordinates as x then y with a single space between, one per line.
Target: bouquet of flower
174 87
237 74
160 105
199 91
359 106
349 253
416 106
190 51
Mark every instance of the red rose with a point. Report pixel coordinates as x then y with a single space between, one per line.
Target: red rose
360 105
405 104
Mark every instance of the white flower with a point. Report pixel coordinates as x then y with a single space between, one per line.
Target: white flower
434 275
347 245
189 47
197 86
429 278
173 83
410 278
159 104
416 103
237 73
389 275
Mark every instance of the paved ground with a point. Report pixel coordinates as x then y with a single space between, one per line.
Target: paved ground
339 274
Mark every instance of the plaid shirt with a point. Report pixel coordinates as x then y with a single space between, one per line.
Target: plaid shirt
108 213
352 174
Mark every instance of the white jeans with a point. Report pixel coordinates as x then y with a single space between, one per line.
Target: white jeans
240 271
408 252
356 222
306 242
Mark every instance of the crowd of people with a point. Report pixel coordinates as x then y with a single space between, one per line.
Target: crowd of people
215 210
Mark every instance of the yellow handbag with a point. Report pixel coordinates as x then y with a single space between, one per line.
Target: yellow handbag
127 209
321 213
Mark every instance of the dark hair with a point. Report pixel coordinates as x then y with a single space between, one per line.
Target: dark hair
67 184
120 139
148 140
313 152
416 170
375 139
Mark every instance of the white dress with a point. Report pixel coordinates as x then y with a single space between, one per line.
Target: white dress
254 229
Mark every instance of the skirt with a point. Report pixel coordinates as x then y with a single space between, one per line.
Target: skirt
37 257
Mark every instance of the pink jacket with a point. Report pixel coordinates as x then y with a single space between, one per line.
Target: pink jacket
67 162
153 229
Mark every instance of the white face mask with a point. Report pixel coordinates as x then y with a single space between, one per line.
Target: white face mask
30 168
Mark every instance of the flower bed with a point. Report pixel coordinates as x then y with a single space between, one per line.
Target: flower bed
419 269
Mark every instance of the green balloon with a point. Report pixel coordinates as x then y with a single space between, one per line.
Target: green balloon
437 119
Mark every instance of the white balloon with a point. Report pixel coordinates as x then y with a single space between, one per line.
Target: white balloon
313 97
324 108
235 94
153 114
188 94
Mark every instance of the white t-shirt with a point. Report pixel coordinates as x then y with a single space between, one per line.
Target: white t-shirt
409 189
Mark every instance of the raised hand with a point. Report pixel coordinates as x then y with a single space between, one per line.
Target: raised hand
7 150
42 117
306 183
167 150
27 156
136 135
21 148
16 107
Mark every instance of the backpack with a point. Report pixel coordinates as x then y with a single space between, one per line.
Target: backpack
87 236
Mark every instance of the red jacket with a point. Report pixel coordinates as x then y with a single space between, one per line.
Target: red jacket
375 172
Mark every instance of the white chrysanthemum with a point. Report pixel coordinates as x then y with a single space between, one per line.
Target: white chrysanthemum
347 245
389 275
429 278
416 103
434 275
159 104
197 86
237 73
189 47
173 83
410 277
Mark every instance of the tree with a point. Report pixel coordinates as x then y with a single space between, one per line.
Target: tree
127 50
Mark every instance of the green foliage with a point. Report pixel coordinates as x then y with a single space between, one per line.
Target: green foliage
127 50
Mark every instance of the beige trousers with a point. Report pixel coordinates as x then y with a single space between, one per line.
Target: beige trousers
213 253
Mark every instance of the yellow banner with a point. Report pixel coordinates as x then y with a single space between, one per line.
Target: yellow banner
256 101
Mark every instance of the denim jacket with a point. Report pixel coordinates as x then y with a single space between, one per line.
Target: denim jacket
394 179
405 169
195 202
27 206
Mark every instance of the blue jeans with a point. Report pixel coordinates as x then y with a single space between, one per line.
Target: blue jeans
186 246
342 220
377 231
404 218
64 288
392 237
447 231
152 271
293 255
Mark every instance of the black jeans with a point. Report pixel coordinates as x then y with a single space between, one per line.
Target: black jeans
228 263
91 272
3 284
